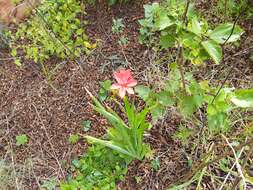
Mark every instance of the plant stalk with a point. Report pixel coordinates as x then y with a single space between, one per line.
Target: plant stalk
181 50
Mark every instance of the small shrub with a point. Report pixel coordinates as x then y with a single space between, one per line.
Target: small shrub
55 30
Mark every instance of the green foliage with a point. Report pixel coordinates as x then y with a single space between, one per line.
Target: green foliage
155 164
118 26
54 30
49 184
105 86
21 140
86 125
228 9
123 41
113 2
99 168
73 139
198 40
127 139
183 134
243 98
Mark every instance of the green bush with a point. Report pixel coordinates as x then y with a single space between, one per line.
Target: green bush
54 30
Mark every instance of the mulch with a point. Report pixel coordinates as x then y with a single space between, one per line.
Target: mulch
29 105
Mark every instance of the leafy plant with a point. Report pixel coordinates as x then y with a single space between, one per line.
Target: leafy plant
104 89
227 9
197 39
127 139
123 41
183 134
99 168
54 30
73 139
155 163
86 125
49 184
113 2
21 140
118 26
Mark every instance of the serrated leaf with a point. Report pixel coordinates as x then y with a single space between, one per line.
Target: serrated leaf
86 125
213 49
243 98
167 41
142 91
165 98
222 32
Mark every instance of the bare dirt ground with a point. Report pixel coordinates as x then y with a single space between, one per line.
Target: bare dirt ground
29 105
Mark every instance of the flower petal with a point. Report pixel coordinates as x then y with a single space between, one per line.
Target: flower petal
123 76
132 83
130 91
115 86
122 92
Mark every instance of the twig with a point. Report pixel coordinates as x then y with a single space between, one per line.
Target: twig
239 168
233 28
44 128
199 166
237 180
232 31
14 170
222 84
181 50
227 176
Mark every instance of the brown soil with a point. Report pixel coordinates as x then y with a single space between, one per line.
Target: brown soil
29 105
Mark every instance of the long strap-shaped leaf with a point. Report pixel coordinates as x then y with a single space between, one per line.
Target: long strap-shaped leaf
112 146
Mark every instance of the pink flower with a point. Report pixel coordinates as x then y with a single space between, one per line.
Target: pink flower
125 82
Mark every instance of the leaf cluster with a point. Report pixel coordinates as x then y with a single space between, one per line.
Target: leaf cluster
54 30
126 138
165 24
99 168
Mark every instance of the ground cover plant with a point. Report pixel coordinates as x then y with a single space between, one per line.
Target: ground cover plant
163 101
56 30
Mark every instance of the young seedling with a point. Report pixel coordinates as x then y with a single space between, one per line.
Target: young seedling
21 140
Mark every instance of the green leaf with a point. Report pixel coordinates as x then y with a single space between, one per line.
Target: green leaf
189 104
157 112
155 164
112 2
110 145
143 91
167 41
86 125
243 98
21 140
163 21
196 26
50 184
222 32
73 139
17 62
165 98
213 49
105 86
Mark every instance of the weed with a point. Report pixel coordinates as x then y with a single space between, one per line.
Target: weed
99 168
21 140
73 139
118 26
